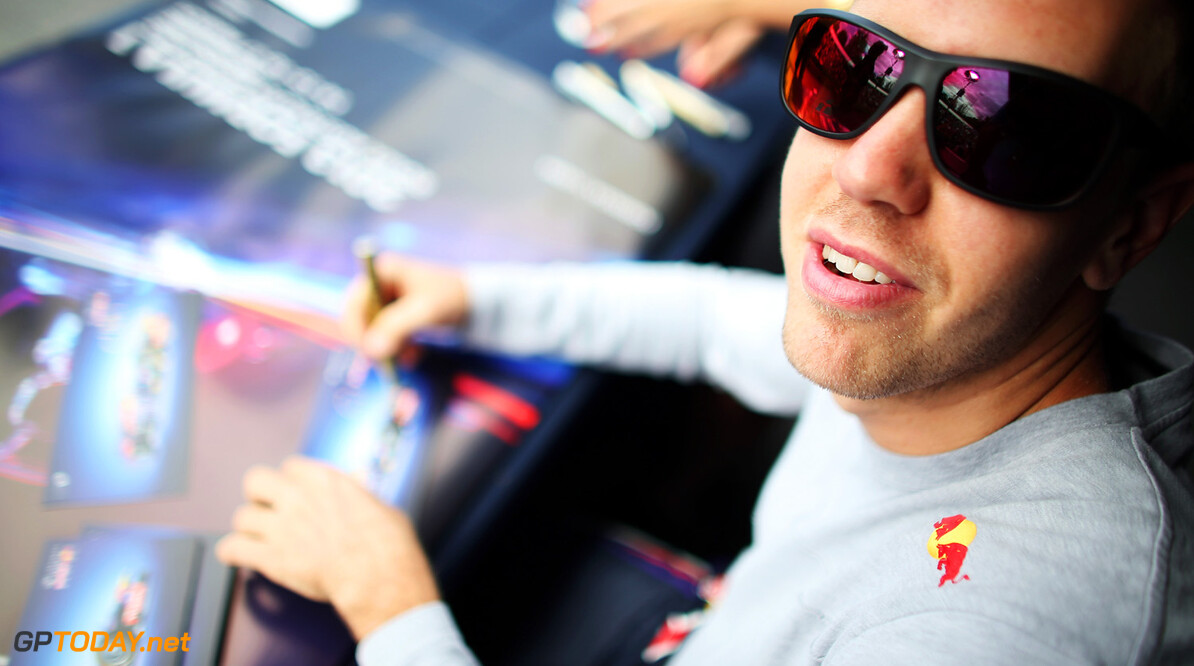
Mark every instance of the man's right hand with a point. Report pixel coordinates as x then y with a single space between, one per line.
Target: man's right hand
424 294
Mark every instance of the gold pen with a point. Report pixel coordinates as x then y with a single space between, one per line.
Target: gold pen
366 252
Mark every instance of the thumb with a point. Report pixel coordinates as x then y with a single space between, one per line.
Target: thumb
391 330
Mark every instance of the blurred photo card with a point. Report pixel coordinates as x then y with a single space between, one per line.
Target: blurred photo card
373 427
124 431
211 587
118 588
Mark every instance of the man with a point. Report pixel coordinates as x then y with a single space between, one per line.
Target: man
947 265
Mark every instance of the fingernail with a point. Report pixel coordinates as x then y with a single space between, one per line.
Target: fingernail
597 40
694 76
374 345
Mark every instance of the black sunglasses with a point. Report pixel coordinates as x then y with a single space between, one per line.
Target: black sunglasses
1015 134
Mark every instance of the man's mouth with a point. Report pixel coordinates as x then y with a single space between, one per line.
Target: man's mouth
849 267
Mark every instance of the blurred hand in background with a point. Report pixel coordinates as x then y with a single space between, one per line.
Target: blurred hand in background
711 36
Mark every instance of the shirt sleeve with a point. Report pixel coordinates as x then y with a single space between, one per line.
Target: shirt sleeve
683 321
423 636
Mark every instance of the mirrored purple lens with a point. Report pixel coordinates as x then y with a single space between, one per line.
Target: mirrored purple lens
1020 137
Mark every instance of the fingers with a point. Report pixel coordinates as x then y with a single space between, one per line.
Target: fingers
718 56
392 329
605 12
637 37
644 28
271 487
641 35
266 486
687 48
634 27
427 295
253 520
309 476
267 559
302 468
240 550
361 300
311 528
361 303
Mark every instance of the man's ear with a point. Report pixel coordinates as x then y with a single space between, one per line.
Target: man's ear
1158 206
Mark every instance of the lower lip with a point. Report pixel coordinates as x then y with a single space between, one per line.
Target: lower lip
832 289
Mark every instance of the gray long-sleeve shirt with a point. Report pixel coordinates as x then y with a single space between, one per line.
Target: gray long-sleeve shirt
1064 537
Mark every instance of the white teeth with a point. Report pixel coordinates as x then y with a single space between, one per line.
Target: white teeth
851 266
864 272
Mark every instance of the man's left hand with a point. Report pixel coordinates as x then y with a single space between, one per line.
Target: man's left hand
315 530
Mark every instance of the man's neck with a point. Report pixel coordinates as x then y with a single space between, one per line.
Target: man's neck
1046 372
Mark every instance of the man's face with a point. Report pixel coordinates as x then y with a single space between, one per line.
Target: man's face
975 283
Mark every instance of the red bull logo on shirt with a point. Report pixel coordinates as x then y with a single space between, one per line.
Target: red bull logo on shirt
949 543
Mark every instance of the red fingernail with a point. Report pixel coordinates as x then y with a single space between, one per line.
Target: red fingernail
694 76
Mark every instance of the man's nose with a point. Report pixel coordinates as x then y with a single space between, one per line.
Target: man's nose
890 162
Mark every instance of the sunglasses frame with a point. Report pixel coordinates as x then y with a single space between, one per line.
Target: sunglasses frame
927 69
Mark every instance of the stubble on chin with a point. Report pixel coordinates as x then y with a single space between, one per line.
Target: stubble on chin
863 360
893 353
868 359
